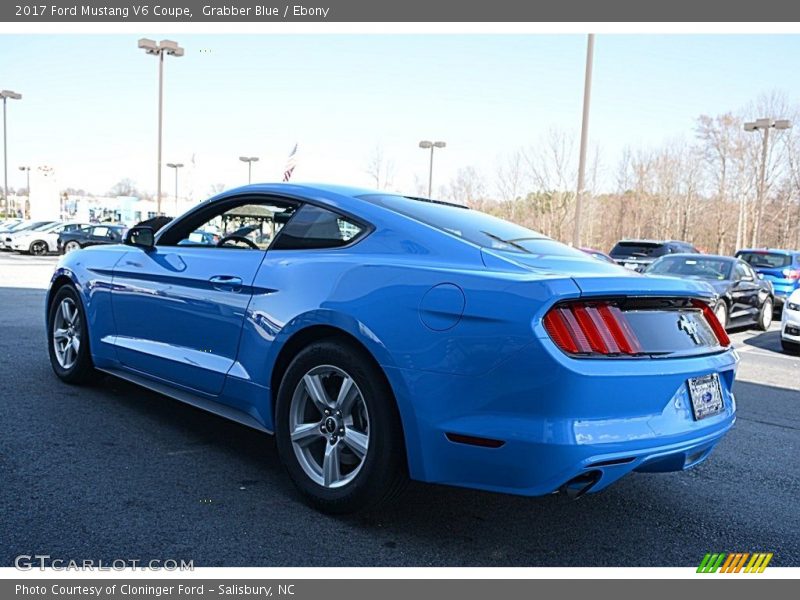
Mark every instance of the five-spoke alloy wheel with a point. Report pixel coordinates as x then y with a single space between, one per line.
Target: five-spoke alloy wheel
338 429
68 339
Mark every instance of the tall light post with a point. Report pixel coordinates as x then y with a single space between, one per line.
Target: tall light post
587 98
425 144
5 95
249 160
27 170
763 125
160 49
175 166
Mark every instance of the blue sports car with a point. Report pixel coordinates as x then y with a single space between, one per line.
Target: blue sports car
382 337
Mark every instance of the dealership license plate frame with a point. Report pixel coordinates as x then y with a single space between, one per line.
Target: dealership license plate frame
705 394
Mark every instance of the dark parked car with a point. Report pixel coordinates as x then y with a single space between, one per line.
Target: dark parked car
779 267
744 298
90 236
637 254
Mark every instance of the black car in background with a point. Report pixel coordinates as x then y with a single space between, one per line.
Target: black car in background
743 298
637 254
90 236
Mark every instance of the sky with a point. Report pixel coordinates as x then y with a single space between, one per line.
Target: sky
89 106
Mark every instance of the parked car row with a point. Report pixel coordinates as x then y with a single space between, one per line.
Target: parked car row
46 237
750 285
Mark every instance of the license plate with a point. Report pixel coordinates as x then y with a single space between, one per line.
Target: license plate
706 395
631 266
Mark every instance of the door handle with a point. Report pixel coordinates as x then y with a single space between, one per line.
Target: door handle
226 282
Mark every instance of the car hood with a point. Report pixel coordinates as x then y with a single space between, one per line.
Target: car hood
594 277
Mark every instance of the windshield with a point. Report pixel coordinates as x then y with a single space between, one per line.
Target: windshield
766 260
717 269
477 227
639 249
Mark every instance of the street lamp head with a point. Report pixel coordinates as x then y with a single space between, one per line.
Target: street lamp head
24 168
763 123
171 48
425 144
440 144
248 159
148 45
174 165
9 94
783 124
750 126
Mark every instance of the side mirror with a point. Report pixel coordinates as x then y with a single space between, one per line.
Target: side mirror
141 237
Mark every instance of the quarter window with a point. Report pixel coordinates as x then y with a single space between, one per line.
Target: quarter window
315 227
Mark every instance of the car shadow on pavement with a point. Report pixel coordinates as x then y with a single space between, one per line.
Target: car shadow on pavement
767 340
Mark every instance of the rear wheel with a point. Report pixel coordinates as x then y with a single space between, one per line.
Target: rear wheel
70 246
338 430
38 248
68 339
765 316
721 312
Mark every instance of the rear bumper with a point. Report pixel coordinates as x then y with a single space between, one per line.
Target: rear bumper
559 418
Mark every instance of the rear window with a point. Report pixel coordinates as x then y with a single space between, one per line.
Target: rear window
639 249
472 225
717 269
766 260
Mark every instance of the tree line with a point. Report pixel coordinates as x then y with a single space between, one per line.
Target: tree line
702 187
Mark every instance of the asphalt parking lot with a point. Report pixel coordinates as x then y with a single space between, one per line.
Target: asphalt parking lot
116 472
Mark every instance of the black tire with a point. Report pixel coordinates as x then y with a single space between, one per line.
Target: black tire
721 312
384 472
71 246
765 315
790 347
38 248
82 371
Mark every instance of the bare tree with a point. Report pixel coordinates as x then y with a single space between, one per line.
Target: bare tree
380 168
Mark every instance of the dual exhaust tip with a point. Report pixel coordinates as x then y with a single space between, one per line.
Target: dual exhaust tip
578 486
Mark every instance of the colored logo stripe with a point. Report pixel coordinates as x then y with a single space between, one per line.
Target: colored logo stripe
734 562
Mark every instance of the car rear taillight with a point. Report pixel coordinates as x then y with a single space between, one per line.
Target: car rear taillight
652 328
791 273
599 328
717 327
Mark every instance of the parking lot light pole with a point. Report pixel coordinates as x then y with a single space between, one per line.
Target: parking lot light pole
249 160
763 125
587 97
425 144
175 166
160 49
5 95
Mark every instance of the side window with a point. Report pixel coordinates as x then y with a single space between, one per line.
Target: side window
314 227
245 226
100 231
740 271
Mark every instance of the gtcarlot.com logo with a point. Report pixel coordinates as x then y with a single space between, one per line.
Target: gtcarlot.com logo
28 562
735 562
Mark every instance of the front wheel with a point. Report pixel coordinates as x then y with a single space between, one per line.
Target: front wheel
68 338
765 316
38 248
338 430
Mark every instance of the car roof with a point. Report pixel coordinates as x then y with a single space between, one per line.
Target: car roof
699 255
769 251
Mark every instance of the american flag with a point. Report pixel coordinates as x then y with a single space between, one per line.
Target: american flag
291 162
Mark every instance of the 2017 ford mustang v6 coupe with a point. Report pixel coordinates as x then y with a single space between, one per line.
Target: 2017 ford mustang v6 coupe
382 337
